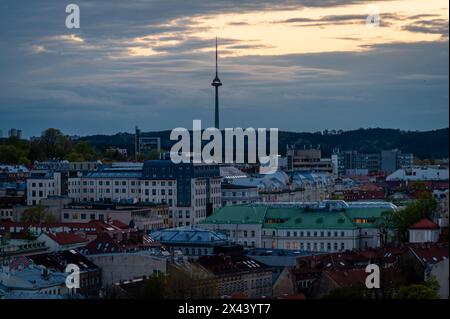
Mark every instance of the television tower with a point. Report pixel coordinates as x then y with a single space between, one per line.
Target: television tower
216 83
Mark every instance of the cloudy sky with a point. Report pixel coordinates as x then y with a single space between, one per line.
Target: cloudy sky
303 65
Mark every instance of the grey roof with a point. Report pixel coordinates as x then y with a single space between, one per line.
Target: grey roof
31 279
188 235
115 174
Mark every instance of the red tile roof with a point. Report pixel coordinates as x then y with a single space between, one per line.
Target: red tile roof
120 224
103 244
424 224
67 238
347 278
430 253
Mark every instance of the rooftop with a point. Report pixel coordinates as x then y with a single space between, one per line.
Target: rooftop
58 260
229 264
188 235
295 217
64 238
424 224
430 253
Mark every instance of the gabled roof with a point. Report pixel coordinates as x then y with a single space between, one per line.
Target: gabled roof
424 224
66 238
430 253
347 278
103 244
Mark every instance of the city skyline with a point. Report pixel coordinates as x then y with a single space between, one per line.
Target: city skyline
294 65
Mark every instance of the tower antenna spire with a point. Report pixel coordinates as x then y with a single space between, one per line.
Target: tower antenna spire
217 59
216 83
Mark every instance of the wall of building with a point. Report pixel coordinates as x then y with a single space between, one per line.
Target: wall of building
127 266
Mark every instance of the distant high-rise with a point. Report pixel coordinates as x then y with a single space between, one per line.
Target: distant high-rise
15 133
144 144
216 83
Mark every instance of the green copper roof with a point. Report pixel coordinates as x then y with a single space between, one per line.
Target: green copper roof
238 214
295 218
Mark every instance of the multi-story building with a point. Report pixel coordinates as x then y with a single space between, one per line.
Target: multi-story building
143 216
144 144
15 133
43 185
322 227
192 191
221 276
419 173
308 160
384 161
287 187
23 279
90 274
238 194
66 166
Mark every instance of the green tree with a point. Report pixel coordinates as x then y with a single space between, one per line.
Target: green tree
36 215
75 157
418 291
151 155
354 292
85 151
9 154
386 223
154 287
423 207
54 143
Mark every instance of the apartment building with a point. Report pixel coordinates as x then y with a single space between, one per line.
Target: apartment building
43 185
143 216
307 160
192 191
330 226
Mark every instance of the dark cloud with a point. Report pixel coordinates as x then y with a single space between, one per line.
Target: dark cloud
340 20
93 87
434 26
